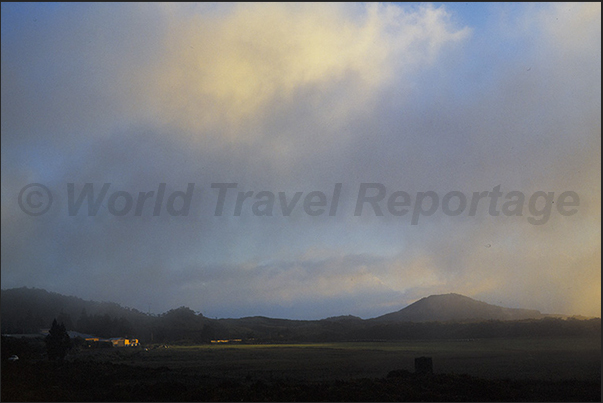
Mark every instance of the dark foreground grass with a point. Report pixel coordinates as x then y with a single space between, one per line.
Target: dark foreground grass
465 370
104 381
535 359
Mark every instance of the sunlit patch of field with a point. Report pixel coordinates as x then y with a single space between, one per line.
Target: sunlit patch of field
542 359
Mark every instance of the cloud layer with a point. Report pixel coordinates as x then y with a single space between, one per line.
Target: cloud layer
296 98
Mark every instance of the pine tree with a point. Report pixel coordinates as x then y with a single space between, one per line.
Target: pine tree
57 341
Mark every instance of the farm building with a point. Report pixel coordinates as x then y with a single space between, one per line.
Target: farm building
113 342
123 342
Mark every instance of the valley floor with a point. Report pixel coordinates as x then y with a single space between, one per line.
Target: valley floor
465 370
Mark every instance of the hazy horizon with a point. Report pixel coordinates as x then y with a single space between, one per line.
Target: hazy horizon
335 99
337 315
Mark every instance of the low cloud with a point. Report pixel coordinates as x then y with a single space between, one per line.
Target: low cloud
288 98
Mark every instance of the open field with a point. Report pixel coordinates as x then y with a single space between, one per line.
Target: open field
497 370
541 359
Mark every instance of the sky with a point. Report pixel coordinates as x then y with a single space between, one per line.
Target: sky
314 160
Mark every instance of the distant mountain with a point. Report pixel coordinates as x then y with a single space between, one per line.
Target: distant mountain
456 307
27 310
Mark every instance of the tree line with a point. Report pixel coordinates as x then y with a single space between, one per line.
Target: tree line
30 310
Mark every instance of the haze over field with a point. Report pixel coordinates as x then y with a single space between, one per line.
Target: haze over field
298 98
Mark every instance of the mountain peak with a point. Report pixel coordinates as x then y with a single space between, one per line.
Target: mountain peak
456 307
449 296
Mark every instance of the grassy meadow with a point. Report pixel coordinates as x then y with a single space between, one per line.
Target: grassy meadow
537 359
543 369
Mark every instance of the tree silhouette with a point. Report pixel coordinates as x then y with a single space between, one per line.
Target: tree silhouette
57 342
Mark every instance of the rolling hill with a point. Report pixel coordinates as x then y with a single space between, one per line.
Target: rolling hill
449 316
456 307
